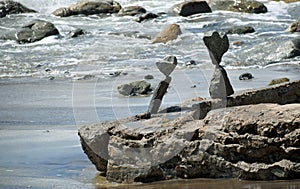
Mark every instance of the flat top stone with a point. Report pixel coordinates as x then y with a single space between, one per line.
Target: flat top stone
217 44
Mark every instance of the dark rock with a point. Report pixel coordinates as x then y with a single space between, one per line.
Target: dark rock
188 8
149 77
191 63
36 31
255 142
170 33
217 44
167 65
278 81
132 11
240 30
220 86
249 6
294 27
89 8
135 88
12 7
246 76
158 95
76 33
146 16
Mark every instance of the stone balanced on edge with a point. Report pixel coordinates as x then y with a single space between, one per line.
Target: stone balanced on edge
218 44
166 66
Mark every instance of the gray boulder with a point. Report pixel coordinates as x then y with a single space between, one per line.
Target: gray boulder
188 8
135 88
89 8
132 11
289 49
247 6
36 31
220 86
167 65
12 7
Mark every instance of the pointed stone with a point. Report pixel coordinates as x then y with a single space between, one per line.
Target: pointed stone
217 44
167 65
220 86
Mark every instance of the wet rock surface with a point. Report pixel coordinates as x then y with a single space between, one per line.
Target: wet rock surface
36 31
189 8
12 7
250 6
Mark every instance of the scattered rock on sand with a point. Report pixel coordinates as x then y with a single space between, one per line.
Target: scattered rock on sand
89 8
135 88
170 33
131 11
251 6
294 27
188 8
246 76
278 81
12 7
36 31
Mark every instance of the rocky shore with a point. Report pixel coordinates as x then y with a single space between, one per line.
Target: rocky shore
248 141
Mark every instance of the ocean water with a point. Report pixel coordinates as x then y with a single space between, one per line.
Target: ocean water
101 51
39 117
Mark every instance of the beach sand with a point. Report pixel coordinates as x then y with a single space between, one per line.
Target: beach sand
39 120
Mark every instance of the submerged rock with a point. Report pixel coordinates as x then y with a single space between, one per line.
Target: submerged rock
256 142
247 6
146 16
188 8
240 30
135 88
36 31
170 33
289 49
77 33
89 8
12 7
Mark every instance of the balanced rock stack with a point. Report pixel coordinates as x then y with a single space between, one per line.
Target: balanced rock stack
217 45
166 67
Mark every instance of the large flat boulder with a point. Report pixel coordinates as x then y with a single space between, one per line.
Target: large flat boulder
260 142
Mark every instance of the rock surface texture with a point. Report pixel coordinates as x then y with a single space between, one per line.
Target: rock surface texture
135 88
89 8
256 142
36 31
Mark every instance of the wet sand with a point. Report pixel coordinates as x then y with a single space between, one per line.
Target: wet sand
38 130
